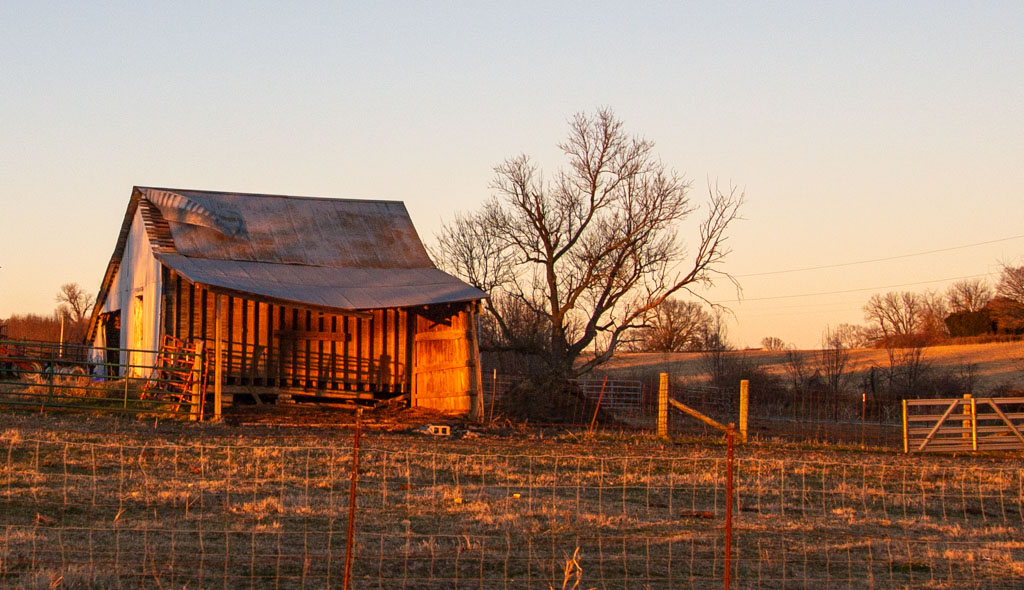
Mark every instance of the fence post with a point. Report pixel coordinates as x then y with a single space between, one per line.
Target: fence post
863 416
663 406
974 425
966 411
351 531
196 412
597 408
494 394
744 403
906 443
730 462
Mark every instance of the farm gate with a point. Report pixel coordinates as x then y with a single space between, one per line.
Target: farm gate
963 424
70 377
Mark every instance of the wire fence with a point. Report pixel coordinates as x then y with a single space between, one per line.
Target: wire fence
234 515
72 377
631 405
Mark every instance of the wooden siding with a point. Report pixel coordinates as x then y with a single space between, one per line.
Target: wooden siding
443 362
269 345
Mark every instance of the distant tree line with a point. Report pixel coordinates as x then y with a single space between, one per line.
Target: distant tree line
969 308
74 307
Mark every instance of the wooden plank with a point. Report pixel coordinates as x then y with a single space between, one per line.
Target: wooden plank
995 407
694 413
452 367
445 335
931 434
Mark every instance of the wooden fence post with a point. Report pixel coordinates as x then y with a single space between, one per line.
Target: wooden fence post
744 403
966 411
906 442
196 412
974 425
663 406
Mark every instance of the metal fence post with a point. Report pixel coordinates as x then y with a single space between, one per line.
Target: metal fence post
730 462
351 531
663 406
744 403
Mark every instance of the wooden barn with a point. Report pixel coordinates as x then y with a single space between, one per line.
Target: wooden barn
322 299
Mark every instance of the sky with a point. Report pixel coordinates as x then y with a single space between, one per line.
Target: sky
890 132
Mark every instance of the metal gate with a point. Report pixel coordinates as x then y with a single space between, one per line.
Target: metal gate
963 424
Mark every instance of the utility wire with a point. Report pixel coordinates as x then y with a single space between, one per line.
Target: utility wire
852 290
842 264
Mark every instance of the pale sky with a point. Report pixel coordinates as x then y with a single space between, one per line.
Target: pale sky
858 130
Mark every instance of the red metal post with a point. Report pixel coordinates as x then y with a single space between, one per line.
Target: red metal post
350 533
600 396
729 464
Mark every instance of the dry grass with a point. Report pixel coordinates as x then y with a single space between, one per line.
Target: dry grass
97 502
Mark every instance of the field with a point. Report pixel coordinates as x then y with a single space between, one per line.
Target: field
996 365
110 502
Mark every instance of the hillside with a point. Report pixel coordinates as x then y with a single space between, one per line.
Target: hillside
997 366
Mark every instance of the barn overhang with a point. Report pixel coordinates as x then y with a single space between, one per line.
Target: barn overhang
325 287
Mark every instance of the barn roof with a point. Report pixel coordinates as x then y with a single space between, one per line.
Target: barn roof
342 254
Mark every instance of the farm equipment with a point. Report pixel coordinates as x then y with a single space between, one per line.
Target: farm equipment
15 361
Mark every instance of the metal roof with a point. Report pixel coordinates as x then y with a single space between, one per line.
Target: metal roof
343 254
338 233
325 287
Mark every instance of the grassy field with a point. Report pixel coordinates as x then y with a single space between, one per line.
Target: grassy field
107 502
996 365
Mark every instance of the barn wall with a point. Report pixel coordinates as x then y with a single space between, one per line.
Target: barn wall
138 278
269 345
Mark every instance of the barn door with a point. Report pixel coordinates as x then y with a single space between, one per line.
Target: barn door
443 364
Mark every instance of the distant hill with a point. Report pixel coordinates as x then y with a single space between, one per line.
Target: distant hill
998 366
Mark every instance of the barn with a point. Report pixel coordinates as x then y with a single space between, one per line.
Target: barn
321 299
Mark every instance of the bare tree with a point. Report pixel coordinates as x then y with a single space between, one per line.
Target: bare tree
834 362
773 343
852 336
520 330
593 250
934 310
896 314
716 359
800 369
969 295
675 326
74 302
1011 283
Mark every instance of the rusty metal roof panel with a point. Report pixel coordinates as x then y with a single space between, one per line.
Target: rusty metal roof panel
329 287
340 233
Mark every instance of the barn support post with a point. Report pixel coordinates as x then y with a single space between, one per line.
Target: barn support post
476 378
218 354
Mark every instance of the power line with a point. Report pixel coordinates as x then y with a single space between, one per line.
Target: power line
853 290
842 264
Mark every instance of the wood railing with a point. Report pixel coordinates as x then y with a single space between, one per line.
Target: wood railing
963 424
